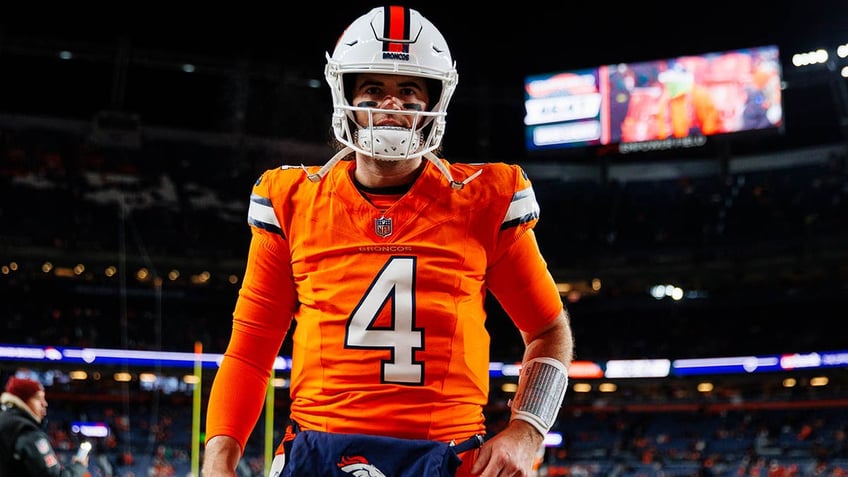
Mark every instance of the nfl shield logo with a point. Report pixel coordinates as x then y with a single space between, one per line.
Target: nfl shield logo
383 226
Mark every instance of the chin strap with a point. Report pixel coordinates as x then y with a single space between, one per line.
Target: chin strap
326 168
455 185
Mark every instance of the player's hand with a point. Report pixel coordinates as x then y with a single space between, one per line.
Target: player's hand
510 453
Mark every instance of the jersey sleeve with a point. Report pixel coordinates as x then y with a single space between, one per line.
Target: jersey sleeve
261 319
523 285
518 275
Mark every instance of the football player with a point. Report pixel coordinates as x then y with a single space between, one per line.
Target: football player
381 261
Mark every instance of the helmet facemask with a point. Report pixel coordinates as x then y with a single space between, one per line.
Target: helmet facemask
391 142
388 142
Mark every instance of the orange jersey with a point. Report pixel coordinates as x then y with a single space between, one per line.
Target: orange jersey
390 334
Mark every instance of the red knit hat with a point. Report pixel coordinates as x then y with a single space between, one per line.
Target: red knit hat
23 388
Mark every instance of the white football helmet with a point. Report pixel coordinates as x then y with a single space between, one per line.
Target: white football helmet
400 41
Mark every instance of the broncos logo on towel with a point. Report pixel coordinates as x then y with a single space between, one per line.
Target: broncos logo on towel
358 466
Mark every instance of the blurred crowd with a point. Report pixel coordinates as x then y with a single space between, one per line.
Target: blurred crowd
762 244
152 437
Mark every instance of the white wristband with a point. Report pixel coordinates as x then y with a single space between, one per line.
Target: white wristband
541 390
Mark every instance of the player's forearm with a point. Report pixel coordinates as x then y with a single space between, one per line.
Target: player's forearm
555 341
221 457
238 391
544 375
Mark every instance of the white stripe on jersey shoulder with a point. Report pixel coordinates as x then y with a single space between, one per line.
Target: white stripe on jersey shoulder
261 214
522 209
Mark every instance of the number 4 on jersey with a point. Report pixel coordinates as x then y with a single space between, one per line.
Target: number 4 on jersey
394 286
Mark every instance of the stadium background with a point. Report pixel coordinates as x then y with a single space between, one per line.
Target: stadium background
118 157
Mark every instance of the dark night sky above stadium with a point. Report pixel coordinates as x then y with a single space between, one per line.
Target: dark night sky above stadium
495 48
506 41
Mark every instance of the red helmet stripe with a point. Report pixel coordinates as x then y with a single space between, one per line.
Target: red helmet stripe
396 27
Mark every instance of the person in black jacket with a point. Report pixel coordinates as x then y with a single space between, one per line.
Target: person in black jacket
25 450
